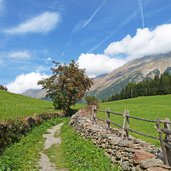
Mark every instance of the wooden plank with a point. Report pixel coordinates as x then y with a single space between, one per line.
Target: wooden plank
116 113
142 119
168 136
94 114
162 142
108 118
115 124
123 124
127 124
145 135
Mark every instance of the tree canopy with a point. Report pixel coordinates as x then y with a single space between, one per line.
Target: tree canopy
67 85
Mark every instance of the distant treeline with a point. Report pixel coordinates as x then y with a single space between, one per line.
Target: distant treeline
3 88
160 85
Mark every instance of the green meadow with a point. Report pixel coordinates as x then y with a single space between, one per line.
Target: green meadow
14 106
151 107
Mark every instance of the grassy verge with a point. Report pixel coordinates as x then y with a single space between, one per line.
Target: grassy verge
81 154
151 107
24 155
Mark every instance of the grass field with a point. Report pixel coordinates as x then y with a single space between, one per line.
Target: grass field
151 107
17 106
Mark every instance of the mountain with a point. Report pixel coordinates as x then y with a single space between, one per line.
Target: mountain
36 93
134 71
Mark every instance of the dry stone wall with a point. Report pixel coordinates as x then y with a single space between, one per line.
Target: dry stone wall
133 154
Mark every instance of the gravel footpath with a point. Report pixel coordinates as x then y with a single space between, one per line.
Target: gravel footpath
44 162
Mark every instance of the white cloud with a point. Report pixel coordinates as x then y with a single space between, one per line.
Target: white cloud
96 64
40 24
25 82
20 54
145 42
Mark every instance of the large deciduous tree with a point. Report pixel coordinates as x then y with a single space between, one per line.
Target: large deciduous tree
67 85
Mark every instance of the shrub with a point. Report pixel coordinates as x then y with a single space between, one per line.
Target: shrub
3 88
91 100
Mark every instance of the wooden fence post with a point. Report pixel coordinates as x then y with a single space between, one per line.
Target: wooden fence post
94 114
123 125
167 138
161 141
108 118
127 124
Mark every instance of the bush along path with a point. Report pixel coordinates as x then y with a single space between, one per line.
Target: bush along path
45 163
25 154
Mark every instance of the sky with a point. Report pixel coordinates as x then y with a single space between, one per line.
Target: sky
101 35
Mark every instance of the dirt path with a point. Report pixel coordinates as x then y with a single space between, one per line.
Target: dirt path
44 162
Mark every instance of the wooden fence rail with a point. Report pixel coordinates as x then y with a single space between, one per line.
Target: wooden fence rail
163 129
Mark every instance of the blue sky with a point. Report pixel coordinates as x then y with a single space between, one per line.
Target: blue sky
94 33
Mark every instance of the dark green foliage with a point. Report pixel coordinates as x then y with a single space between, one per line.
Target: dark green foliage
148 87
3 88
91 100
67 85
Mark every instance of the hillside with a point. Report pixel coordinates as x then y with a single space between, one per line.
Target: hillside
36 93
134 71
18 106
151 107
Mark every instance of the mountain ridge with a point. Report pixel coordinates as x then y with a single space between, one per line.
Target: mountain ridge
133 71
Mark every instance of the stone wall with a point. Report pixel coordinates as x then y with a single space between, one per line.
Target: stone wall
130 154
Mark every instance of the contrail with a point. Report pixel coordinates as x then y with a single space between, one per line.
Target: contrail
122 25
142 12
65 47
94 14
1 5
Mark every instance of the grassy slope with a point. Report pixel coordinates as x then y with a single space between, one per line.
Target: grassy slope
151 107
17 106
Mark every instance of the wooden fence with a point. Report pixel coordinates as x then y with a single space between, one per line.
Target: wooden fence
162 127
